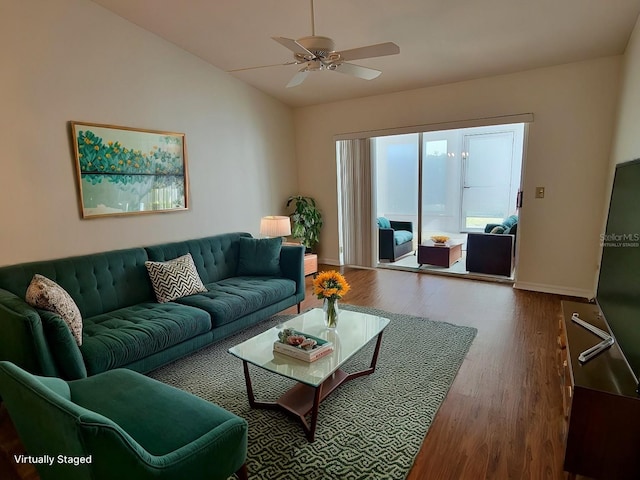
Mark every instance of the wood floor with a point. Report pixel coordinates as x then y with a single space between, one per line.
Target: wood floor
502 417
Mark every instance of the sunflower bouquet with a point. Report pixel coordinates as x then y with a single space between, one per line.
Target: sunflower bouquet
330 286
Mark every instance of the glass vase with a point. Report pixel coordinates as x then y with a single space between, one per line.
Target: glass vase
331 312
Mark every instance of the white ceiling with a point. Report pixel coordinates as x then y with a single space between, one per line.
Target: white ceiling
441 41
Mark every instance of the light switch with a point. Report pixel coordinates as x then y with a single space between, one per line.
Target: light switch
539 192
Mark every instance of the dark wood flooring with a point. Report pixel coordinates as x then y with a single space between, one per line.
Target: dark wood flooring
502 417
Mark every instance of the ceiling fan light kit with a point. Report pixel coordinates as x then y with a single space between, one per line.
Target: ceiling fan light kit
319 46
318 53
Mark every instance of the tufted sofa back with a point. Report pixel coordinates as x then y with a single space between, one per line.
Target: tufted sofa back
216 257
98 283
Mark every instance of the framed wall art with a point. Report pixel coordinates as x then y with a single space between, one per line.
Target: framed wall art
123 170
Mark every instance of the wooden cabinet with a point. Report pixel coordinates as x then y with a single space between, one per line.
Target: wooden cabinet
600 402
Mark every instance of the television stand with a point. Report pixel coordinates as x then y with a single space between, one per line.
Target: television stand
601 407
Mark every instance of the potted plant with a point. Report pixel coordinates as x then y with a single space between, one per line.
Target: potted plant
306 221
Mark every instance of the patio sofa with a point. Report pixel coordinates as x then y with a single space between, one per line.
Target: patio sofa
123 324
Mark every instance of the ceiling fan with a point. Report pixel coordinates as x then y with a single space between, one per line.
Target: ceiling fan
318 53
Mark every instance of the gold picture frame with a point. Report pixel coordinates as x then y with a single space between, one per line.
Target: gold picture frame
126 171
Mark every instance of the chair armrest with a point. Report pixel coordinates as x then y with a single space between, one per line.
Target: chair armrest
386 244
63 346
385 236
123 437
408 226
23 341
115 454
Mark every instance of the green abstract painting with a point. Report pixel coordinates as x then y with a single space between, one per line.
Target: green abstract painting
123 170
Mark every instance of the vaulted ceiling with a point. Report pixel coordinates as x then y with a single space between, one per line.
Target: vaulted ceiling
441 41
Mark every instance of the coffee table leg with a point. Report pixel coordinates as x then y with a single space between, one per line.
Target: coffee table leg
372 366
252 399
247 381
309 428
376 352
311 433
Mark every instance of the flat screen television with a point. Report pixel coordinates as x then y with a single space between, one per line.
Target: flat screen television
618 293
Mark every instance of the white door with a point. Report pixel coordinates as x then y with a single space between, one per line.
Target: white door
487 168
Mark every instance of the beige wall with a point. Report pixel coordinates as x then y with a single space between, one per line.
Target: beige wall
626 140
568 150
626 144
68 60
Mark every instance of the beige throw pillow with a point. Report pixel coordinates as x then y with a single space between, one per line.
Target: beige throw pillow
175 278
48 295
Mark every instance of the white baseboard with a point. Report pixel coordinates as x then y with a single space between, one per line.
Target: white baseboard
329 261
557 289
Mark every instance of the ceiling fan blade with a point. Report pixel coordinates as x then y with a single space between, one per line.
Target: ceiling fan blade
261 66
298 78
357 71
294 46
378 50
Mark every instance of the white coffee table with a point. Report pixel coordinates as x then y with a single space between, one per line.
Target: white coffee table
318 379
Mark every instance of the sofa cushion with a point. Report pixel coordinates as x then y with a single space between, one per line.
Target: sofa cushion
510 221
259 256
123 336
175 278
48 295
384 222
498 229
402 236
232 298
215 257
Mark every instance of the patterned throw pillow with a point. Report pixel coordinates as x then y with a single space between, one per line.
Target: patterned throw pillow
48 295
174 279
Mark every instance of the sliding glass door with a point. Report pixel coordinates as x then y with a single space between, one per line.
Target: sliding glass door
449 182
396 167
440 187
487 161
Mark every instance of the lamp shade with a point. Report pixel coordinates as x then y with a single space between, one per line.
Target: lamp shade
275 226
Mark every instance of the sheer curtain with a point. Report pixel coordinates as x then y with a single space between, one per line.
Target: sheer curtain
357 224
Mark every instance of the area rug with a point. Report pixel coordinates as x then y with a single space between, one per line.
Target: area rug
370 428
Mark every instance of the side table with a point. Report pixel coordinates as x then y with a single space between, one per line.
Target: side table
310 264
441 255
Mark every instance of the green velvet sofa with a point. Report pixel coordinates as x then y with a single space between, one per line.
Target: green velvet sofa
123 324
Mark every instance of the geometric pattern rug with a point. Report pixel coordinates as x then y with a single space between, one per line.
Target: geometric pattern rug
369 428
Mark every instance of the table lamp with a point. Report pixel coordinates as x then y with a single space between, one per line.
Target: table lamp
275 226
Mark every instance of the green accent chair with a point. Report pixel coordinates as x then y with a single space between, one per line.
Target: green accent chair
121 425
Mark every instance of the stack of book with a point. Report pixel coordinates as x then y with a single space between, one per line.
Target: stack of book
322 348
